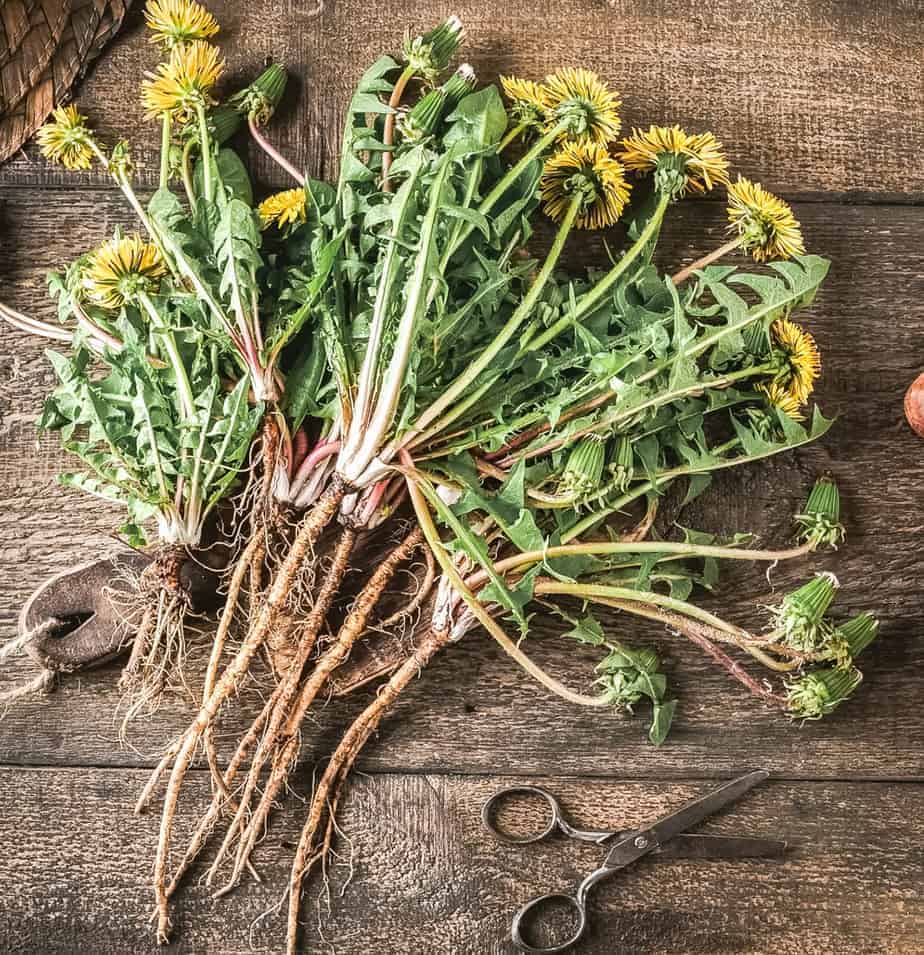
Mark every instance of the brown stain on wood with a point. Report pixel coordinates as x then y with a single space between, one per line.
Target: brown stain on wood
821 100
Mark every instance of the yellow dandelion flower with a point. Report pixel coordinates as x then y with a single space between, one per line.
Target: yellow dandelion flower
803 359
120 269
67 139
682 162
782 398
582 98
183 82
175 22
283 208
527 99
766 224
590 169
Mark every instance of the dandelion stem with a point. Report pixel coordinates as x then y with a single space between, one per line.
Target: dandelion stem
165 150
665 477
388 133
672 548
591 298
425 520
713 256
273 152
510 136
183 387
205 152
697 634
186 169
522 312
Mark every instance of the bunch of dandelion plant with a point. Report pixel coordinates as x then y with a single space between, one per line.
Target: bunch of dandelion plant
424 385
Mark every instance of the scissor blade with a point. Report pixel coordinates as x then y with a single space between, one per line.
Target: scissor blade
695 846
693 813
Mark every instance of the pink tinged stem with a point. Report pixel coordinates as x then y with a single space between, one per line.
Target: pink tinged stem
299 450
372 500
33 326
274 153
733 667
320 453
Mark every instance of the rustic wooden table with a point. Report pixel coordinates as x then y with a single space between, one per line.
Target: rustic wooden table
823 101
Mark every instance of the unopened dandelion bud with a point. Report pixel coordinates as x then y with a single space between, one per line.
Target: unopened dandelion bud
821 692
584 467
260 100
819 522
756 339
459 85
224 122
858 633
623 464
429 54
800 615
423 119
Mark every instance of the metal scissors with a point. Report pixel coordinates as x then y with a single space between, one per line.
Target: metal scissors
666 839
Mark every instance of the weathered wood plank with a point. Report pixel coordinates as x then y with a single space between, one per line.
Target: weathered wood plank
466 710
810 98
428 878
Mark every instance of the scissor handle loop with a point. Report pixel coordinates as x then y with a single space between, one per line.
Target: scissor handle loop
488 811
577 905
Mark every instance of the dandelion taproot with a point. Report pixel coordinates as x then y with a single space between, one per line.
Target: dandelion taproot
177 22
283 208
584 103
67 139
182 85
765 223
589 170
121 269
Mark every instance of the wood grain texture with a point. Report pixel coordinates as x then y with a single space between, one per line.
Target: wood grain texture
809 97
459 715
821 100
429 879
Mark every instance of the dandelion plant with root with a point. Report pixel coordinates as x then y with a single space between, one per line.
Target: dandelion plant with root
168 377
398 374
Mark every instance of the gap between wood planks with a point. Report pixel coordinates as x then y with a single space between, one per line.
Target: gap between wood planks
146 184
654 778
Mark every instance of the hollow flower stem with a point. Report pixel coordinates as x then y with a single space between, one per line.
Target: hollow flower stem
388 133
713 256
165 150
273 152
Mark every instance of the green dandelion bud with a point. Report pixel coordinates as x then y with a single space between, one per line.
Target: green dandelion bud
756 339
858 633
423 119
800 615
260 100
622 467
821 692
429 54
584 468
819 523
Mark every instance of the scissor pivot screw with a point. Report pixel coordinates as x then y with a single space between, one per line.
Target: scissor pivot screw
641 842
